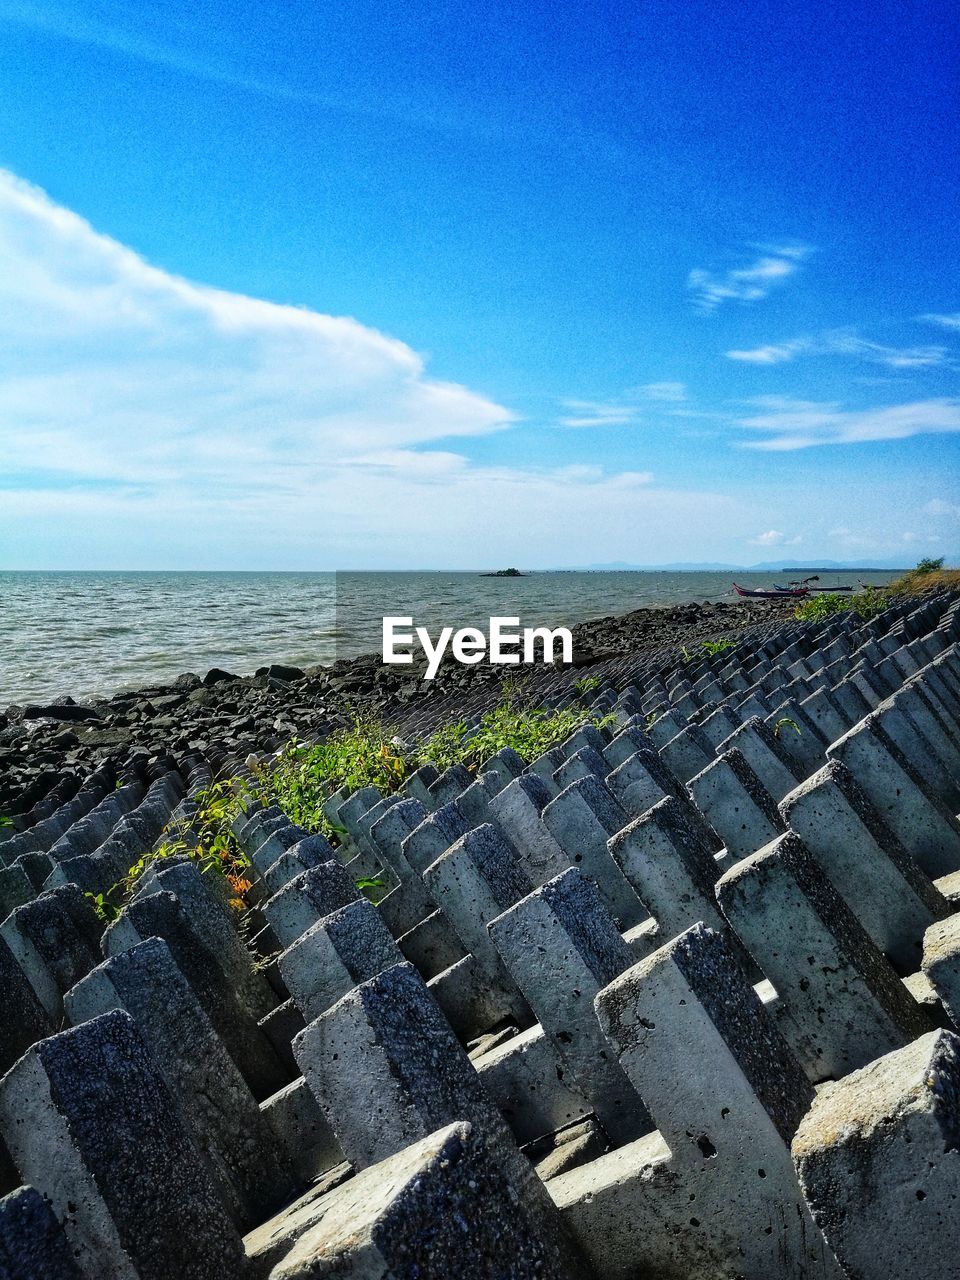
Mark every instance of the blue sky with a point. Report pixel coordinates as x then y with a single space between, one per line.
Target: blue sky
398 285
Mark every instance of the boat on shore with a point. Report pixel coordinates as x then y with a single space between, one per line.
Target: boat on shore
803 582
796 593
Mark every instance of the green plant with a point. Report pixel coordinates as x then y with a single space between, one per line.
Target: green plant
685 654
5 821
526 729
587 684
651 719
302 777
107 905
820 607
929 565
714 647
783 722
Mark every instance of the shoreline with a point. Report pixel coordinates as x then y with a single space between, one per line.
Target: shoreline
237 714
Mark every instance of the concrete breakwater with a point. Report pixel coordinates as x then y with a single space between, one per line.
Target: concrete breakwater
680 998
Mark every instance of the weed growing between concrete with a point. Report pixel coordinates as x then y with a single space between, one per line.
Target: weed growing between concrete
302 776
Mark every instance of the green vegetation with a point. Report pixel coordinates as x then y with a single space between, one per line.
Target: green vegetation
929 575
587 684
784 723
710 647
527 730
5 821
301 777
215 851
866 604
713 647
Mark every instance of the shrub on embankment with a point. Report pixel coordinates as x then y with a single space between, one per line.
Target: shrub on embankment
929 575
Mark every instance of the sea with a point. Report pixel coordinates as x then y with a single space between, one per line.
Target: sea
92 634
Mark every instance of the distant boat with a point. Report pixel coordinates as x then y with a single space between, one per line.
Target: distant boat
787 594
804 581
504 573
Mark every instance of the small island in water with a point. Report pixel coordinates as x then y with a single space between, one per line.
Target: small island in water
504 573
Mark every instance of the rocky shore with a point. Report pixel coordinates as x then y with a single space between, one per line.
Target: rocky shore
235 714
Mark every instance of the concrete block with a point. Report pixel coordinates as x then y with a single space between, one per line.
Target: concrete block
407 1077
439 1208
431 946
207 1091
713 1193
342 949
922 824
433 836
473 1003
879 1165
688 753
301 1132
529 1083
23 1019
846 1003
941 963
55 940
865 862
736 804
561 948
634 787
517 811
32 1242
581 819
476 879
670 866
761 748
161 915
91 1125
585 763
311 896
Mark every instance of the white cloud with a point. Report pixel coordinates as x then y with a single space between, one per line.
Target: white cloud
597 413
775 538
773 354
800 424
672 392
938 507
951 321
117 370
146 420
749 283
843 342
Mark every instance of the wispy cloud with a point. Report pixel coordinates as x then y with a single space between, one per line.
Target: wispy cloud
940 507
670 392
626 410
800 424
748 283
844 342
951 321
597 413
141 43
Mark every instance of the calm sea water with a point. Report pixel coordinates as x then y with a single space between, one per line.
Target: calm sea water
95 633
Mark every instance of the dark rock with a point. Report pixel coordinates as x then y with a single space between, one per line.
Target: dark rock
216 676
59 711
